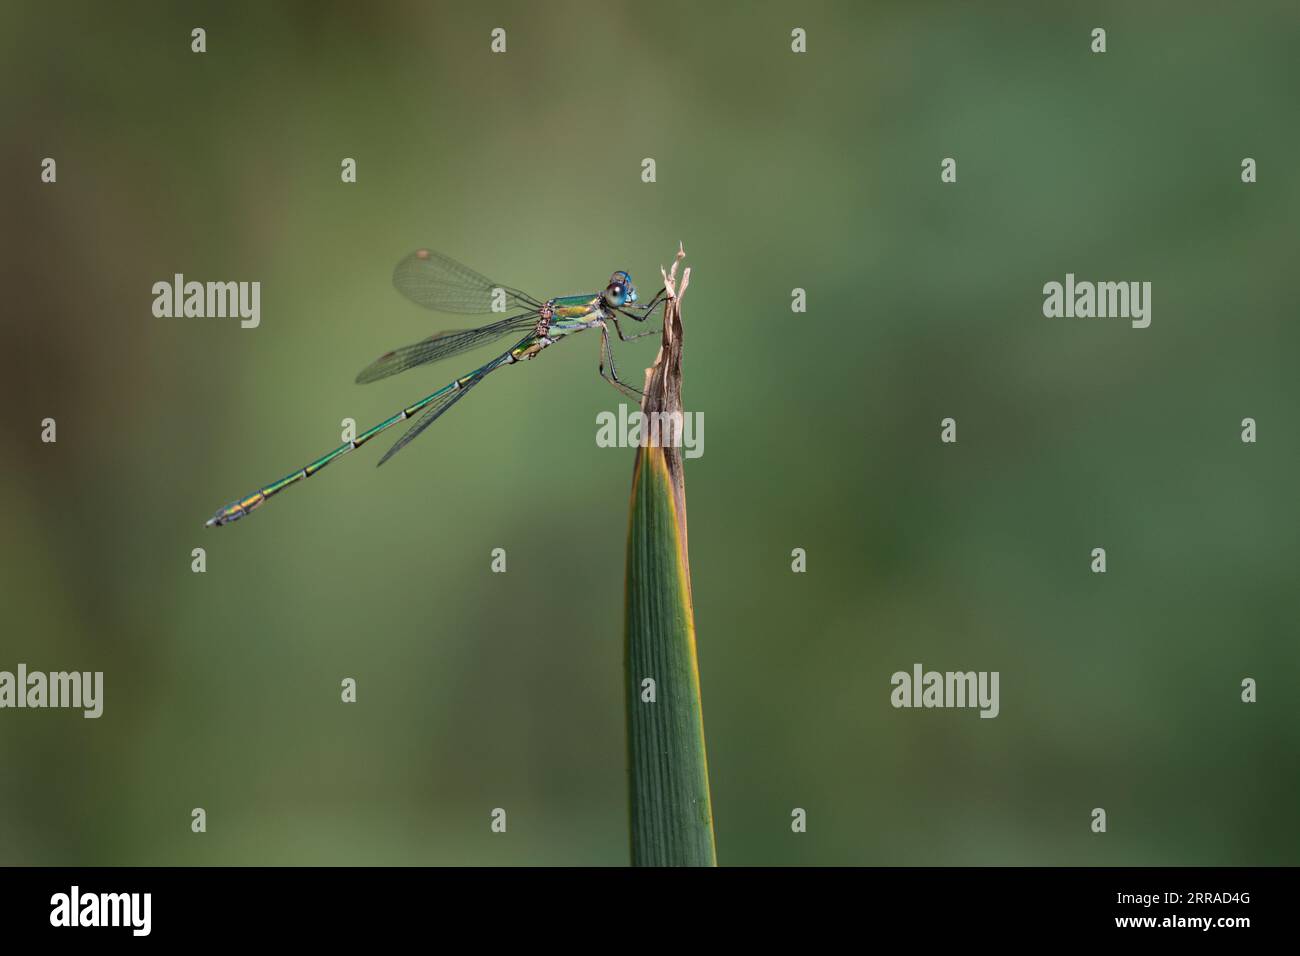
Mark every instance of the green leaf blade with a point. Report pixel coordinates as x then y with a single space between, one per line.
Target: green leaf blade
671 812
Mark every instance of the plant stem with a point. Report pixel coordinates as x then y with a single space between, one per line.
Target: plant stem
670 807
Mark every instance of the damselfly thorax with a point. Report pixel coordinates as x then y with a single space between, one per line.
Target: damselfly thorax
560 317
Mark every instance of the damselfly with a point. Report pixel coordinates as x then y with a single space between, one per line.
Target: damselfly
437 282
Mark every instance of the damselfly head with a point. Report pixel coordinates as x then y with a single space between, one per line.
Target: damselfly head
620 291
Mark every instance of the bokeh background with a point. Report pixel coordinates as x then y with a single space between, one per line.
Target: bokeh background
818 171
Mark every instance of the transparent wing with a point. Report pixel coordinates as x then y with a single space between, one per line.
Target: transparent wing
436 408
441 283
441 345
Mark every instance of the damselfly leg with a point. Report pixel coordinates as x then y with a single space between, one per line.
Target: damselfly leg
607 360
638 335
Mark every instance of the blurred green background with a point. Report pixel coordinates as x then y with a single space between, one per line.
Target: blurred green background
818 171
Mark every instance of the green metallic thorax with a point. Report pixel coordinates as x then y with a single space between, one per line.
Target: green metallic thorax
576 311
569 314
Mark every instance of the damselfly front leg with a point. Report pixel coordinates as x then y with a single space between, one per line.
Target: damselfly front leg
633 338
645 310
638 313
